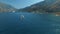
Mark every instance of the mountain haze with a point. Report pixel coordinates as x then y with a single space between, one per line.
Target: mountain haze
6 8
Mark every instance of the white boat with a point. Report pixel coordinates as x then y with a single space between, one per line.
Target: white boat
57 15
13 11
22 17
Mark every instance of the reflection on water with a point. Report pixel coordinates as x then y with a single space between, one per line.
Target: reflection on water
10 23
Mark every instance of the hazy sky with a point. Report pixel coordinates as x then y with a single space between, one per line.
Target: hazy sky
20 3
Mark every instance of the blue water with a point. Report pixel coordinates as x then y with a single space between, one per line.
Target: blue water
10 23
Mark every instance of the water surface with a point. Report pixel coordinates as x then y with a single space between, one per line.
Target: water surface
10 23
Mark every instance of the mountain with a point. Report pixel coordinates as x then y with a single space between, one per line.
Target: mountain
6 8
50 6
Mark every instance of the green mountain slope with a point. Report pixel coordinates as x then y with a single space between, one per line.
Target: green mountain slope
50 6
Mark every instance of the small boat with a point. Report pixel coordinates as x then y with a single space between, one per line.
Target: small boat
57 15
22 17
13 11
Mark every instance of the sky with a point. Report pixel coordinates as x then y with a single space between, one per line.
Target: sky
20 3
